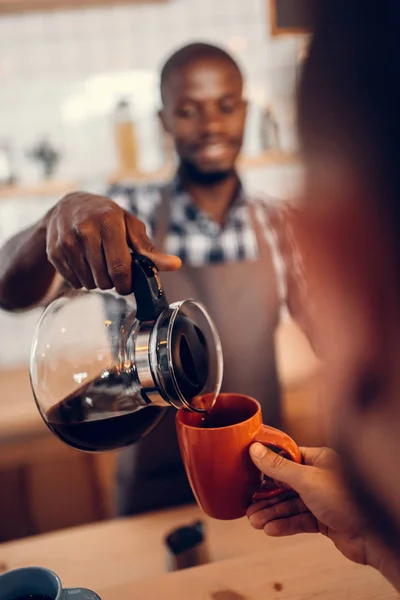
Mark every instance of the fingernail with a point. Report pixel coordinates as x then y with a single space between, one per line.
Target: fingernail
258 450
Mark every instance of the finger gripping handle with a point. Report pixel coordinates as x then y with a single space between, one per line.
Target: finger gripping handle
281 443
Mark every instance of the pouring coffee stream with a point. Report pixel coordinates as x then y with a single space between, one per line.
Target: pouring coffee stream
106 368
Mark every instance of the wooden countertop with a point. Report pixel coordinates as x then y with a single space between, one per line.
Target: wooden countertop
24 437
125 560
19 416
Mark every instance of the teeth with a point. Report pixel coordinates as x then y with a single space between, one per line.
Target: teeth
215 150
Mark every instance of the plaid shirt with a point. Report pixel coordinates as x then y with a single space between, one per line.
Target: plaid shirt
193 235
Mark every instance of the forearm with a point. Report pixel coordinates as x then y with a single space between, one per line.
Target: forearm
25 273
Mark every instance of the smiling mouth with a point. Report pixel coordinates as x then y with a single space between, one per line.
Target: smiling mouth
215 151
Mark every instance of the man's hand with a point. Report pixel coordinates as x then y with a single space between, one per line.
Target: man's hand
317 501
89 239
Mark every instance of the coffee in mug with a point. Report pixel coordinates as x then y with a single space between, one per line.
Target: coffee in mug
34 597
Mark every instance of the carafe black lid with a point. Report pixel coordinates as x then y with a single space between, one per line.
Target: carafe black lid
185 350
188 358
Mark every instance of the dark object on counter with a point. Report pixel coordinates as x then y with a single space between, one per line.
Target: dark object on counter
125 138
47 156
187 547
269 131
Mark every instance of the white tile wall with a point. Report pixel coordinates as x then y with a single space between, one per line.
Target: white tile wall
46 57
17 329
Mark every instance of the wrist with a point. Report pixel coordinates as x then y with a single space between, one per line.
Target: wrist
383 560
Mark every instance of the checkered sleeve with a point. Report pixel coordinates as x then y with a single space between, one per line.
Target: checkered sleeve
124 196
141 201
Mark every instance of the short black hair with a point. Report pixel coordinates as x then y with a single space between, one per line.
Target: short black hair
191 53
349 95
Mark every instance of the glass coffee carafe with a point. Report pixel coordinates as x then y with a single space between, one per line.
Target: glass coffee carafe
105 368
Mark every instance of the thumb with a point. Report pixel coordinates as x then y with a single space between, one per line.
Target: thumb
163 262
276 467
140 242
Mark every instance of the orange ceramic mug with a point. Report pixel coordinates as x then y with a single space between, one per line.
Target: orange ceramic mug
215 452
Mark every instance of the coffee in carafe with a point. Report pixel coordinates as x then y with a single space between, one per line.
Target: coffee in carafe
101 416
106 368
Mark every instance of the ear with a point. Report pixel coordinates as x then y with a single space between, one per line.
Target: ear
163 118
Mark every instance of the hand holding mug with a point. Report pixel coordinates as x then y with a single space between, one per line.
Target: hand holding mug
319 502
215 452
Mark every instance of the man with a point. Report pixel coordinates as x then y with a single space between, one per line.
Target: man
226 242
349 232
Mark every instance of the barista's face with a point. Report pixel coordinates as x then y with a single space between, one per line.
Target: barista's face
354 282
205 113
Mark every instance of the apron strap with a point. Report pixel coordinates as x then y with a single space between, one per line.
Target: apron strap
259 224
265 231
265 222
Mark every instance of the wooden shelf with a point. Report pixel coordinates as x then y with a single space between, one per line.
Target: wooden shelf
60 187
44 188
264 160
269 158
17 6
142 177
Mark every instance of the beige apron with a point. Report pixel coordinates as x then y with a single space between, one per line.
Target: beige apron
243 300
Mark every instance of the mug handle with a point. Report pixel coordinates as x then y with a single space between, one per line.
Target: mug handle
79 594
281 443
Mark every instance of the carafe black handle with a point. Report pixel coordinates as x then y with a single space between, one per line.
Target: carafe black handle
147 288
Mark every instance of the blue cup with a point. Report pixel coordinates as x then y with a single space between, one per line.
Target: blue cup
41 582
